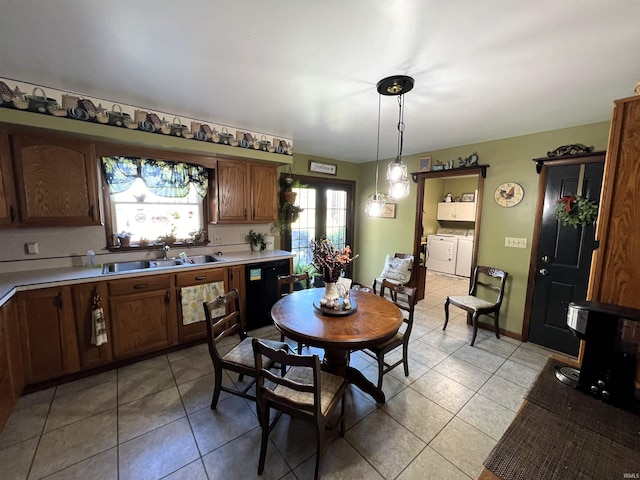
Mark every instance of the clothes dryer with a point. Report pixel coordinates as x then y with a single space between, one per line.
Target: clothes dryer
442 250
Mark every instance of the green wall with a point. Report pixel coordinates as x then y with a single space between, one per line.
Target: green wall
510 160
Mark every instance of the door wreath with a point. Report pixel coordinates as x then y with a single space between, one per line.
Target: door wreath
574 211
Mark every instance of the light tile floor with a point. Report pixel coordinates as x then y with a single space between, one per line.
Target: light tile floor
152 420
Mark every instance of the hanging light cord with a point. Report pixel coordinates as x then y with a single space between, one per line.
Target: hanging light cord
378 145
400 124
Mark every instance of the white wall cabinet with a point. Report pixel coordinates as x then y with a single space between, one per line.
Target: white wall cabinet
457 211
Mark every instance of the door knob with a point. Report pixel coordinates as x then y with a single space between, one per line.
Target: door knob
544 271
546 259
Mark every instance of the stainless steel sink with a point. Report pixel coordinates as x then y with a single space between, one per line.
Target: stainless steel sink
124 266
118 267
200 259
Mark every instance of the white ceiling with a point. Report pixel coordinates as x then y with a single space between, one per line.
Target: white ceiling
307 70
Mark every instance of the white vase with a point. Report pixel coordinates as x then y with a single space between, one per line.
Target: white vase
330 297
255 247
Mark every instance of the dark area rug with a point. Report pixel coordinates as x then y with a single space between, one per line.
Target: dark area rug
562 433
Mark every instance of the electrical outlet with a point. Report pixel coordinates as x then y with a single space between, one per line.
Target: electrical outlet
31 248
514 242
217 239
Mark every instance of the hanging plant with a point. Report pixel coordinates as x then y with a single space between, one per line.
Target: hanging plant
574 211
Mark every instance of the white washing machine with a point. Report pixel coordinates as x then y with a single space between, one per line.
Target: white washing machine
465 253
442 250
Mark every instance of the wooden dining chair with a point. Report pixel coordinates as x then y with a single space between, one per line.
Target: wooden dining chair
305 391
398 269
405 298
285 287
475 306
240 358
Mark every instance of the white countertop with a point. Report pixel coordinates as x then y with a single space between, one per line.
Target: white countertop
13 282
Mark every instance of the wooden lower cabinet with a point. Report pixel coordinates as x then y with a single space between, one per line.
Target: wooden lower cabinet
143 315
231 277
90 355
6 389
47 334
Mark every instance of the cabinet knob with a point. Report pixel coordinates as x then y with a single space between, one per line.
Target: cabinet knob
201 277
167 298
12 213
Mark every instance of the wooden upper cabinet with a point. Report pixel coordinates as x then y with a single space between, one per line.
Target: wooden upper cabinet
264 193
56 180
616 262
8 200
232 187
247 192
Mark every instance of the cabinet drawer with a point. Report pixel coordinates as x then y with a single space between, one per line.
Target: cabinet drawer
140 284
199 277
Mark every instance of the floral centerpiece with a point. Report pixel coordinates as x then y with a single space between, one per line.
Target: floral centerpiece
329 260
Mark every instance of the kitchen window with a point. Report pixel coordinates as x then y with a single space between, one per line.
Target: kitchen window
154 202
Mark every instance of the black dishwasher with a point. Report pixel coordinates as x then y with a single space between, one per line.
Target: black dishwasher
262 291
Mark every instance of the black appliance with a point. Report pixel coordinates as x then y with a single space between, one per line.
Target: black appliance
262 291
611 336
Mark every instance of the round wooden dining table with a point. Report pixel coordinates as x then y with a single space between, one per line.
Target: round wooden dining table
375 320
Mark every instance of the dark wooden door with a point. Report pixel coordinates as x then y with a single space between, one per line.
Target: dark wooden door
564 259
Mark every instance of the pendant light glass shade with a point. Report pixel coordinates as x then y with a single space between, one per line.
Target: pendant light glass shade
375 205
396 170
399 189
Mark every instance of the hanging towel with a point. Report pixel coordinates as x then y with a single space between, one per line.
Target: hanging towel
98 324
193 297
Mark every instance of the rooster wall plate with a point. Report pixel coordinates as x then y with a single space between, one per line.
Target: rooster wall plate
509 194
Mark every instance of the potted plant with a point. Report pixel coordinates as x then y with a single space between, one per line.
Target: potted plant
291 212
309 268
288 184
198 236
256 239
124 238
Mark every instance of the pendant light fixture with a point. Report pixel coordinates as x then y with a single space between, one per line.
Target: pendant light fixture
375 203
397 85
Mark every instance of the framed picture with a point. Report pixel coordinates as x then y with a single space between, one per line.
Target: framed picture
425 163
388 211
468 197
327 168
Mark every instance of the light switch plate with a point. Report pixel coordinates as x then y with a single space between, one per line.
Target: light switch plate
217 239
514 242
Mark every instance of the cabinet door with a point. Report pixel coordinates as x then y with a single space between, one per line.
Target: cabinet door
465 211
90 355
14 351
47 334
57 180
143 321
189 299
264 193
232 192
616 261
8 201
446 211
6 394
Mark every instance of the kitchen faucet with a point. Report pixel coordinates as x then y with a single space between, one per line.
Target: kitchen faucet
166 249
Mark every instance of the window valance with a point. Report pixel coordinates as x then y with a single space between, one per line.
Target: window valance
163 178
